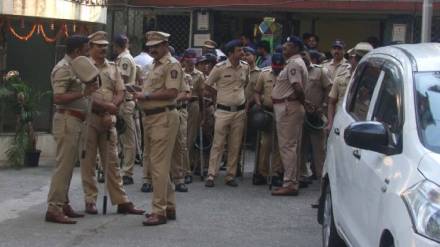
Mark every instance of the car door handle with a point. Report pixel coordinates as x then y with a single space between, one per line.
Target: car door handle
337 132
357 154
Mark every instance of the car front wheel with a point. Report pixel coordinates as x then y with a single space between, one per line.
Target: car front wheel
330 236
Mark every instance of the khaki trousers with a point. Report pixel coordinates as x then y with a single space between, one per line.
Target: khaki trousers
160 134
289 120
267 140
66 131
228 129
194 118
104 141
317 141
128 139
180 161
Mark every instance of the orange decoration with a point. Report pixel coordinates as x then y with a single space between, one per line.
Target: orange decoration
20 37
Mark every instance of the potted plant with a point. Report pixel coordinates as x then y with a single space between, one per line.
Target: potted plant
23 100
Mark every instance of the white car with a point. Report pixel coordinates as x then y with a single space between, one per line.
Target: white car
381 181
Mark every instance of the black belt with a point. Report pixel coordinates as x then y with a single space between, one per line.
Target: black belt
230 108
159 110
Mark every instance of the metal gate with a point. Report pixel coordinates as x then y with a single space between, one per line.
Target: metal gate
178 27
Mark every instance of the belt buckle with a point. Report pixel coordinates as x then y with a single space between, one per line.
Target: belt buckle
234 108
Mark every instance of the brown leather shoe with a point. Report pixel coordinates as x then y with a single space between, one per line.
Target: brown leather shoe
285 191
58 217
129 208
154 220
68 211
91 208
171 214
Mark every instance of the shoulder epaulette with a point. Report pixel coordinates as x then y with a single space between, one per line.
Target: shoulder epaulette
221 63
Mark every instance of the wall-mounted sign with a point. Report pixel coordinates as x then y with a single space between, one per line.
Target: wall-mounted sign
199 39
399 33
202 21
55 9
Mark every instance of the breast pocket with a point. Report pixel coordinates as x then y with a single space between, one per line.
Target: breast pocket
156 79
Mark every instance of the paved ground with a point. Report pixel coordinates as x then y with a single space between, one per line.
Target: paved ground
221 216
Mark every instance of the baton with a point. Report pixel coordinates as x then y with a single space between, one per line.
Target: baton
243 149
257 154
104 201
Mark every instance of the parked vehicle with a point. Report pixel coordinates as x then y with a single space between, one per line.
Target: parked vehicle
382 171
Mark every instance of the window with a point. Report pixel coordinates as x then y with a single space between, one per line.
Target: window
388 108
362 89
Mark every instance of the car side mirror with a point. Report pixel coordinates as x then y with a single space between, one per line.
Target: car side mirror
371 135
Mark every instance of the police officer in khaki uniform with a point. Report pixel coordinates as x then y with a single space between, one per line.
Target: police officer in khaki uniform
316 90
180 161
127 68
101 133
228 80
268 140
338 64
288 99
161 124
194 109
341 81
250 57
71 107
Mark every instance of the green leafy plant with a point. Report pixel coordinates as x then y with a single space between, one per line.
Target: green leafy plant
24 101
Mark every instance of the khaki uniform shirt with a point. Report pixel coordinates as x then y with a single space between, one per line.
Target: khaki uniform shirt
340 86
166 73
336 68
316 86
229 82
264 86
127 66
64 81
250 87
295 71
111 81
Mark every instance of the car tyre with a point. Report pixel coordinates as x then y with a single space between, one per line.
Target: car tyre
330 236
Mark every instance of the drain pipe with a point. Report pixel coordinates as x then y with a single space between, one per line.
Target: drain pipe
426 21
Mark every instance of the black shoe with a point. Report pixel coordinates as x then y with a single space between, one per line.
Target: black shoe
101 178
126 180
188 179
308 180
277 181
209 183
313 177
231 183
258 179
181 188
147 188
303 184
223 167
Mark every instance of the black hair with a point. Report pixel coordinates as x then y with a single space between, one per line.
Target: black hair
120 40
264 44
75 42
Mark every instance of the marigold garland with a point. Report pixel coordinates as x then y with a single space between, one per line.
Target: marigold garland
63 31
18 36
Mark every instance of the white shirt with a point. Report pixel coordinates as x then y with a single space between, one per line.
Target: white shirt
145 61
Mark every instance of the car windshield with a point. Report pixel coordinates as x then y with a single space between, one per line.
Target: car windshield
428 108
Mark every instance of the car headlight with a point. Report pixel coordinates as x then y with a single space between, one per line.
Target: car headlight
423 202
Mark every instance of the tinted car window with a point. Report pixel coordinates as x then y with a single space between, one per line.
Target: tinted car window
427 101
362 92
389 102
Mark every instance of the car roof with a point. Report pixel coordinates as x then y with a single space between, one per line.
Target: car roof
423 56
